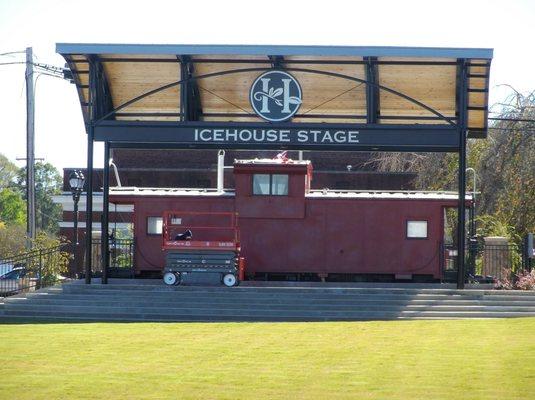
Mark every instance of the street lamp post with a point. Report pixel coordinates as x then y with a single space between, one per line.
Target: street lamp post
76 182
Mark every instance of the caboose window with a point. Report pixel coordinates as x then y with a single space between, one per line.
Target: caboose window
154 225
261 183
416 229
275 184
279 185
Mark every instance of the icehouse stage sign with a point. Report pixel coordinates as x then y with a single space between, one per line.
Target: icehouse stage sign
275 96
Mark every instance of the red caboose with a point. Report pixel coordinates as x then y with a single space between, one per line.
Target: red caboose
288 230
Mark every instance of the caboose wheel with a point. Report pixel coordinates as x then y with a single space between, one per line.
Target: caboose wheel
229 280
170 278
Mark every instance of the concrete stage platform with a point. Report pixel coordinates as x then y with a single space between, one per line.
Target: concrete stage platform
252 301
295 284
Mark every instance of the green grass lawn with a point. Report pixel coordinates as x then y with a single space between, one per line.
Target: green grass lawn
468 359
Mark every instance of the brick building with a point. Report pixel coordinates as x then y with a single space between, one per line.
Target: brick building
197 169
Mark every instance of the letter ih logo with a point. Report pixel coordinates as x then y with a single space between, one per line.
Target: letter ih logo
275 96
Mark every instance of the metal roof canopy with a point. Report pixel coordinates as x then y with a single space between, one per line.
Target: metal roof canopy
394 89
353 99
285 50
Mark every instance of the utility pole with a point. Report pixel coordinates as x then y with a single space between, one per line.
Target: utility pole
30 149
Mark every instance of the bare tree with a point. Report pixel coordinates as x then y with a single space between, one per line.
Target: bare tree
504 162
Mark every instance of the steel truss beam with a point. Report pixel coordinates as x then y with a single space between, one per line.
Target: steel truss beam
277 62
269 61
372 91
190 98
306 116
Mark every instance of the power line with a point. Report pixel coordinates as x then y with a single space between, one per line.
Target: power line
12 52
45 67
13 62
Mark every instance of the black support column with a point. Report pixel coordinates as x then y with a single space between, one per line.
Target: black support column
105 248
89 205
95 111
462 102
89 180
372 91
190 98
184 88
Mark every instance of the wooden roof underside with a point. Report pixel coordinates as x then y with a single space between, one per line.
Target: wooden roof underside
430 80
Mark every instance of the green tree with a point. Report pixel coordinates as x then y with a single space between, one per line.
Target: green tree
8 172
12 239
54 259
12 207
47 183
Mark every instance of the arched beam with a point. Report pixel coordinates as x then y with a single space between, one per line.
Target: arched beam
304 70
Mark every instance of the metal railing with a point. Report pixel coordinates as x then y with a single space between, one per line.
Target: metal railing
32 270
484 262
121 261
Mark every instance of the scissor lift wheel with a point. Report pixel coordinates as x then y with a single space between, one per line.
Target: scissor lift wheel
230 280
171 278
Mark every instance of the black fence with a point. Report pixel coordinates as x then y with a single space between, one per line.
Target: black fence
121 258
32 270
485 263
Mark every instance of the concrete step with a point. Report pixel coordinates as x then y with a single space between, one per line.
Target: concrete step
242 316
120 301
157 302
292 290
266 296
265 309
78 288
266 293
283 290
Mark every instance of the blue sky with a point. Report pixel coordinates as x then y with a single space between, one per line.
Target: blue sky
506 26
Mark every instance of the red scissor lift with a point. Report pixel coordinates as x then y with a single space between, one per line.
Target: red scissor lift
201 243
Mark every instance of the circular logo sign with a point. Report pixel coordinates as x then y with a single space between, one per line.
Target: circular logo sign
275 96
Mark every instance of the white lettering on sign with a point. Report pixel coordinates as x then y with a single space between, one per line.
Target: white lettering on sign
218 135
302 136
353 136
246 135
284 136
271 135
276 135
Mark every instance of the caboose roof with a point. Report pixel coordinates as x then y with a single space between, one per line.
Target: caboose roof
318 194
271 161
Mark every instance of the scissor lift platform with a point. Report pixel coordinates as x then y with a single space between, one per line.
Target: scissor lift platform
213 248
